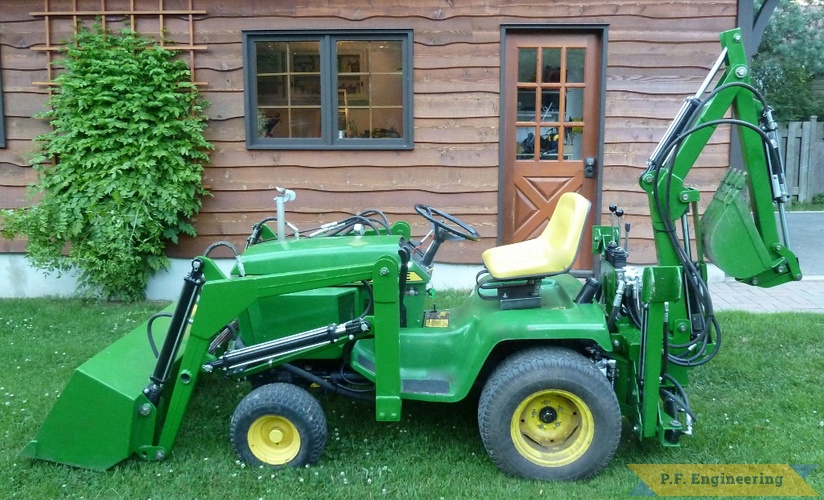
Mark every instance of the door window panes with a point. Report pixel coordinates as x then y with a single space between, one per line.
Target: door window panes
550 103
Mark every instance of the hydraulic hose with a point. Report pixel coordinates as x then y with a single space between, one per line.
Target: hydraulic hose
149 330
333 388
240 269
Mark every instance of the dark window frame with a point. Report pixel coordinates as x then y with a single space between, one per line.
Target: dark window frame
2 116
329 96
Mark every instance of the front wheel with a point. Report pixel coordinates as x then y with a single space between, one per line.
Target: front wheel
278 425
549 414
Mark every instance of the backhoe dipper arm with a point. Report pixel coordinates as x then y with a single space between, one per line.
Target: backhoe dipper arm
745 245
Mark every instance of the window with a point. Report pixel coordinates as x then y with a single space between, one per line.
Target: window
2 117
335 90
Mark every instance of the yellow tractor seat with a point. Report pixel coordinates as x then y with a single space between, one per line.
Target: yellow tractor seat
553 252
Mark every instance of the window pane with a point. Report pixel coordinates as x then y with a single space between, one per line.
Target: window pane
360 123
574 105
271 90
525 149
575 65
271 57
305 57
549 105
385 56
526 105
387 90
549 143
269 122
304 123
387 123
527 59
305 90
551 64
573 141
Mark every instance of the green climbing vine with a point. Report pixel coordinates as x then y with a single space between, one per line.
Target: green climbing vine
119 174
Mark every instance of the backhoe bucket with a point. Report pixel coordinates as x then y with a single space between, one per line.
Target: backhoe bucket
102 416
730 237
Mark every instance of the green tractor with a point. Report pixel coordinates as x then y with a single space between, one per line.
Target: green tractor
559 361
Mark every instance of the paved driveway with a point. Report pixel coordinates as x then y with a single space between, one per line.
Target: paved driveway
807 239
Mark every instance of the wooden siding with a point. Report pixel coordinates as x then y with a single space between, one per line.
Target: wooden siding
658 53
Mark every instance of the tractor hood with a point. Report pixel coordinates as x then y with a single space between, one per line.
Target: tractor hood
290 256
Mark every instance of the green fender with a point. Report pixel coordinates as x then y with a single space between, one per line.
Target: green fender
442 363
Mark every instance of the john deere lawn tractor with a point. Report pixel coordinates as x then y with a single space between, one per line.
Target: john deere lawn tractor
559 362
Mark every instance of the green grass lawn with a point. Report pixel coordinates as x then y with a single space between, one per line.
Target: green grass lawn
759 401
806 207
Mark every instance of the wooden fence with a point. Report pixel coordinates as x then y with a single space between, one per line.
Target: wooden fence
803 147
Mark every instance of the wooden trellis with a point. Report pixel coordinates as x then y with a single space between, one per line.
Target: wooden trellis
129 13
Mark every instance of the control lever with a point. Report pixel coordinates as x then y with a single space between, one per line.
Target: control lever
620 215
612 208
626 236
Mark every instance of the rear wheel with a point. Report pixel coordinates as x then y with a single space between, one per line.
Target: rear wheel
549 414
278 425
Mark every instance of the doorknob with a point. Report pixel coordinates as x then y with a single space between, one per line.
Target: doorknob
589 167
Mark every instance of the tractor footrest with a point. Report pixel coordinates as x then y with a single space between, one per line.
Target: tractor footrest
363 360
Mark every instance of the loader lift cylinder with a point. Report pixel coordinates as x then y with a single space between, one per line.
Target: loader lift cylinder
177 328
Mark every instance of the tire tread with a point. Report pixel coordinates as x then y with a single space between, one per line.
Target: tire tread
525 364
289 401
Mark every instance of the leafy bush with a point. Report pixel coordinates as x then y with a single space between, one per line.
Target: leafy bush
119 174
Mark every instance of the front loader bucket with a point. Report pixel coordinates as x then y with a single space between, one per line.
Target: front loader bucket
730 237
102 416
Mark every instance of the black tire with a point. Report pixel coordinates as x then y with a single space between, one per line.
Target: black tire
549 414
278 425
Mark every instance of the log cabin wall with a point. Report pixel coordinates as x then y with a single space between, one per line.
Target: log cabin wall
658 53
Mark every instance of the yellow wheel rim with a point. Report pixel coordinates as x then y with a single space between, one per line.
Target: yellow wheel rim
274 440
552 428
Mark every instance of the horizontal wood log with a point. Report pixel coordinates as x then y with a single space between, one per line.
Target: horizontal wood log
25 104
352 179
12 175
15 81
13 197
455 155
12 246
15 152
398 202
25 129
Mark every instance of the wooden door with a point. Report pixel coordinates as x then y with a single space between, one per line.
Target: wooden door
551 129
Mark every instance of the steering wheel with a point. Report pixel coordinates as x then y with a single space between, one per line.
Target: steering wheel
454 229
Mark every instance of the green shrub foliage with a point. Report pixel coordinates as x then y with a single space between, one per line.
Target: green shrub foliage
119 174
